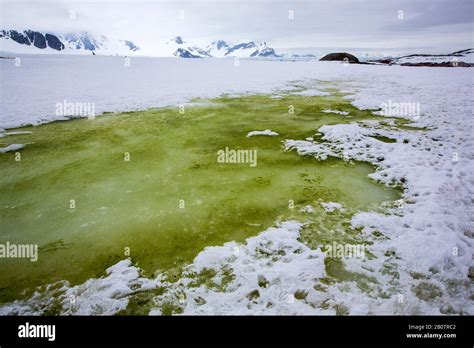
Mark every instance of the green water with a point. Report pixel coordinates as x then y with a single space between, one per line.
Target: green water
136 205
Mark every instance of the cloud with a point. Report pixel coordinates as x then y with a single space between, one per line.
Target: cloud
318 23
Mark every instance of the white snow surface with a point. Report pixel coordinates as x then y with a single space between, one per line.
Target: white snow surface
102 296
425 254
466 57
339 112
312 93
267 132
331 206
12 147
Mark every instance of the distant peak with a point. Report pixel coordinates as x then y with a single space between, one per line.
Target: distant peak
178 40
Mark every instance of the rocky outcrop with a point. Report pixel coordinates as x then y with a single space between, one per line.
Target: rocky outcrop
60 42
54 42
341 56
462 58
443 64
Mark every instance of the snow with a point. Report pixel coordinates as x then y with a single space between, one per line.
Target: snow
267 132
467 57
307 209
101 296
155 82
105 46
432 233
218 48
427 237
12 147
312 93
16 133
173 46
305 147
331 206
330 111
260 285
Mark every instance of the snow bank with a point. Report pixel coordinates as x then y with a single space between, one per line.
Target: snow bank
259 284
422 247
101 296
429 239
339 112
312 93
264 132
331 206
12 147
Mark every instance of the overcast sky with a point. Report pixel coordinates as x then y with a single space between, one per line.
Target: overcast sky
439 25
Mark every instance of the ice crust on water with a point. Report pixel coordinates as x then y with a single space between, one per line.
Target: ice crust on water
423 258
260 284
267 132
12 147
101 296
339 112
422 263
312 93
430 236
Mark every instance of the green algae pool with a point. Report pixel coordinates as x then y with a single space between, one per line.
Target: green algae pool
147 185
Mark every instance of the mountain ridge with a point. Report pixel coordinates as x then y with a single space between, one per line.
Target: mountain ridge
67 42
220 49
30 41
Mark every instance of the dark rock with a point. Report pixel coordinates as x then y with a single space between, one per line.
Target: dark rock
385 61
221 44
454 59
253 295
30 34
262 281
19 37
88 43
182 53
266 52
131 45
178 40
340 56
244 45
54 42
300 294
38 39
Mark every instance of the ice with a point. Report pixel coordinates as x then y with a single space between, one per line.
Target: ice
330 111
312 93
267 132
331 206
12 147
98 296
427 241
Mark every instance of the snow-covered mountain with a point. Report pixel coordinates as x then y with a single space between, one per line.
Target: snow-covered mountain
29 41
250 49
219 49
179 48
